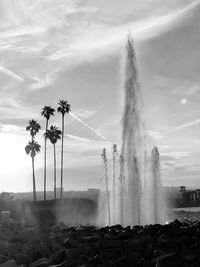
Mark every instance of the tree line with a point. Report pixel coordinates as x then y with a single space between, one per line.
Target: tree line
53 134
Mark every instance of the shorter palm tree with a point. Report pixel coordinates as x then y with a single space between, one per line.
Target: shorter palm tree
32 149
53 134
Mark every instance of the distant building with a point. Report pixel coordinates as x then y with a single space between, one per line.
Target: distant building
182 189
188 198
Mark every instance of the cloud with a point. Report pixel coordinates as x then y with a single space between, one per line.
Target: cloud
11 128
155 135
187 88
11 74
26 18
12 107
43 82
83 113
183 126
78 138
92 42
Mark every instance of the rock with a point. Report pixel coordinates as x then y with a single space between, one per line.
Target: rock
5 216
110 254
114 243
168 244
88 239
9 263
190 256
66 263
73 253
120 262
3 259
125 235
71 242
22 259
167 260
59 256
42 262
87 250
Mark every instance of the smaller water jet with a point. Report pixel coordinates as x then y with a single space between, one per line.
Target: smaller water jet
114 158
105 164
158 195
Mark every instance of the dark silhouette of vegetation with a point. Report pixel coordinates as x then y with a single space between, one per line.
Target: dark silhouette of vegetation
53 134
33 127
47 112
6 196
32 149
63 108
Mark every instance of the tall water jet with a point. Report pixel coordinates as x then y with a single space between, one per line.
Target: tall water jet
136 194
133 141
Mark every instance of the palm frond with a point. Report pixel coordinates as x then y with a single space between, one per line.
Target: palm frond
63 107
33 127
53 134
47 112
32 148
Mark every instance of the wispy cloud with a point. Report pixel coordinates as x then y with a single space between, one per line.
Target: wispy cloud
187 88
11 74
103 40
183 126
78 138
84 113
155 134
42 82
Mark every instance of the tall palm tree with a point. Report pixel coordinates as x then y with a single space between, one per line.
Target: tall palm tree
53 134
46 112
33 148
63 108
33 127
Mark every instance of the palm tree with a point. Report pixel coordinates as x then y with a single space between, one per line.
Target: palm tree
33 148
33 127
47 112
63 108
54 134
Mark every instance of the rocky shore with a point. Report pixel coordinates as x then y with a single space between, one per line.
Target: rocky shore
175 244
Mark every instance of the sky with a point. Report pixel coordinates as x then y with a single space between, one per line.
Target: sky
73 50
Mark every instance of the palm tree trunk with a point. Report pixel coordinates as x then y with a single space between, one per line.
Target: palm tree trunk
34 186
45 162
54 148
61 177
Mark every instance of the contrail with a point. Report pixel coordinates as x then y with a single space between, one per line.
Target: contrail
183 126
88 126
35 4
11 74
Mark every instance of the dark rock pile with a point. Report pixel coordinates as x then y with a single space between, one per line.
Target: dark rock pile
175 244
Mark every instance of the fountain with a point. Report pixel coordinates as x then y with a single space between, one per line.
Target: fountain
159 200
135 196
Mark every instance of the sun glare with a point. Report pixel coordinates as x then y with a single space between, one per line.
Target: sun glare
183 101
12 155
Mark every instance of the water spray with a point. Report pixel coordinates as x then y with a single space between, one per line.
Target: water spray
114 155
105 164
